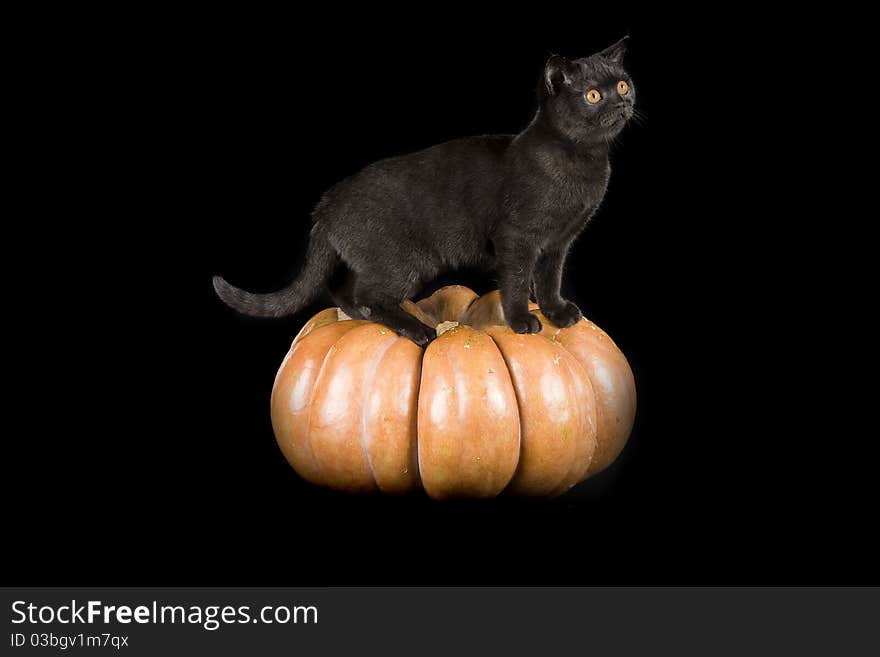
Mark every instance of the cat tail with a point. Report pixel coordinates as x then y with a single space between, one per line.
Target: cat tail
321 261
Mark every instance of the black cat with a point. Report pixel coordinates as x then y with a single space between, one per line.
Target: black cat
512 202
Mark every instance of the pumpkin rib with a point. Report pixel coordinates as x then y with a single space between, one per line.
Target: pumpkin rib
519 411
415 410
554 338
519 430
577 471
458 378
303 344
418 418
310 457
463 423
315 386
310 454
520 415
365 394
587 416
616 439
419 441
344 383
308 424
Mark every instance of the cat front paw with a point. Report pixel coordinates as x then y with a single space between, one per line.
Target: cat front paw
563 316
526 323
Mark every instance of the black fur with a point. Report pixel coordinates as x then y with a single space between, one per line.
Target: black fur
513 203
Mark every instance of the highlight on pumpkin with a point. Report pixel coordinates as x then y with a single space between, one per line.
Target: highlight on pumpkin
480 412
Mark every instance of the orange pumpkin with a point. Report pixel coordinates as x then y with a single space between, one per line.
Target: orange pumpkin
481 410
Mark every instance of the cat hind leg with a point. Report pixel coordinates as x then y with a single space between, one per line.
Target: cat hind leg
343 296
378 300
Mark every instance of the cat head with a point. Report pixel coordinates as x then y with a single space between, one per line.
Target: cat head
588 99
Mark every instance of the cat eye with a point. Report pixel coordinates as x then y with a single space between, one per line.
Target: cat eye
622 88
593 96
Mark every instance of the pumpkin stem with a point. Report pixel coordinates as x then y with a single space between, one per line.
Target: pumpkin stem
425 318
416 312
442 327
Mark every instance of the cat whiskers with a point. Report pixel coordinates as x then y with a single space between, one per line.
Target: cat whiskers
638 117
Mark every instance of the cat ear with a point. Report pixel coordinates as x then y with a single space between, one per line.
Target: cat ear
557 72
616 52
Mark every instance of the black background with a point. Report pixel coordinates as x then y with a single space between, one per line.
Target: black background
201 145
